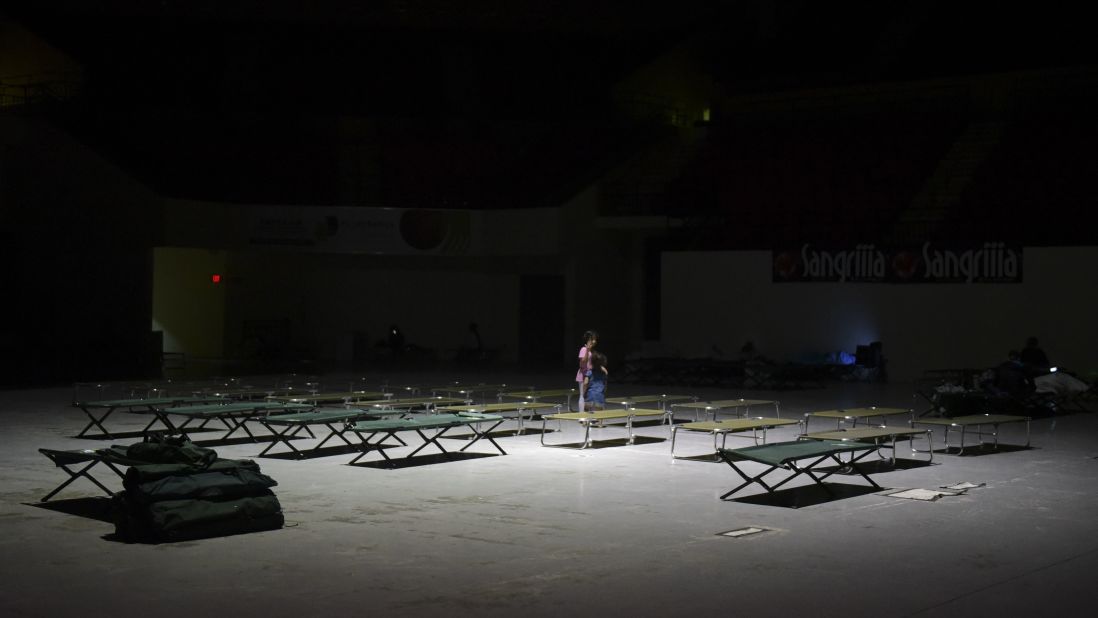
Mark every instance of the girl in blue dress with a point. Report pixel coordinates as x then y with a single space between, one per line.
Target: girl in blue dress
595 395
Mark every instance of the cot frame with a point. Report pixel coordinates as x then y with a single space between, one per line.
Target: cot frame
152 405
442 423
241 394
817 452
468 391
726 427
662 399
714 407
843 415
407 404
882 436
113 458
234 416
978 421
91 457
532 396
599 419
344 397
285 427
518 407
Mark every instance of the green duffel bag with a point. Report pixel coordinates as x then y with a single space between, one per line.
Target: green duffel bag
148 473
168 450
224 484
177 520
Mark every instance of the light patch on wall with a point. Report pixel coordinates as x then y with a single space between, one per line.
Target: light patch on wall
188 303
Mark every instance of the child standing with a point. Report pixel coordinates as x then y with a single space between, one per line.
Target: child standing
590 338
596 382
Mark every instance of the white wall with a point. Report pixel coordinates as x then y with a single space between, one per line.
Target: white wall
432 307
724 298
326 299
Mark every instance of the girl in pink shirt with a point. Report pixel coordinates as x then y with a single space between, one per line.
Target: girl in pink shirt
590 338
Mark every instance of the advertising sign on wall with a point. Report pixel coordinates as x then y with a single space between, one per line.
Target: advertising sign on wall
990 262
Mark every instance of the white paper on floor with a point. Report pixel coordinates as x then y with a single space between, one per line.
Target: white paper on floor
742 532
962 486
924 494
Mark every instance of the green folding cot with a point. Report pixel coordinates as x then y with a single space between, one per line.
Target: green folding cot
788 455
233 416
428 404
98 411
347 397
338 421
439 424
79 463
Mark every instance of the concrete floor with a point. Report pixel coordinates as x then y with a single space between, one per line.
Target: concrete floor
616 530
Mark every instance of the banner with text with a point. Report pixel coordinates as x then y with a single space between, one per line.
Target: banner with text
990 262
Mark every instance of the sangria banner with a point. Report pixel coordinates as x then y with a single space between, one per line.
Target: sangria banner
990 262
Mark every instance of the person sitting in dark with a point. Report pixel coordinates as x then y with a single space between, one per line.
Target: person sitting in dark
1011 377
473 349
1033 357
395 340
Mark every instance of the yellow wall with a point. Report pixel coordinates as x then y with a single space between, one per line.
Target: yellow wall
187 306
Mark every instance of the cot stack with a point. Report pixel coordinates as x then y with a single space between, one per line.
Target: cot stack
191 493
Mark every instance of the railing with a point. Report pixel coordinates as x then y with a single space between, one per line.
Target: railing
660 108
38 88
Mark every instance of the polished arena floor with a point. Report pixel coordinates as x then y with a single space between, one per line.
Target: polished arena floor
615 530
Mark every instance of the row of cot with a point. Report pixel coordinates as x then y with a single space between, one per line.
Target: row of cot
379 423
229 405
293 413
304 389
303 410
875 427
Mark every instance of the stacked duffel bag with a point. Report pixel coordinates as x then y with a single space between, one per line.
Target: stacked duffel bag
186 492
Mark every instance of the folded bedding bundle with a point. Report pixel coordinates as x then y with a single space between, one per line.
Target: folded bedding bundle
194 495
166 450
220 484
146 473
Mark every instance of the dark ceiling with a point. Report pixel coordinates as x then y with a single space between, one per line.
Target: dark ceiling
172 80
560 16
504 46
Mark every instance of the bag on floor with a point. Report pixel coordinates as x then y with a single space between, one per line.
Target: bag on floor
180 520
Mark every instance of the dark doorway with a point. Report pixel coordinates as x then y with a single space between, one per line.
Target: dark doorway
541 320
